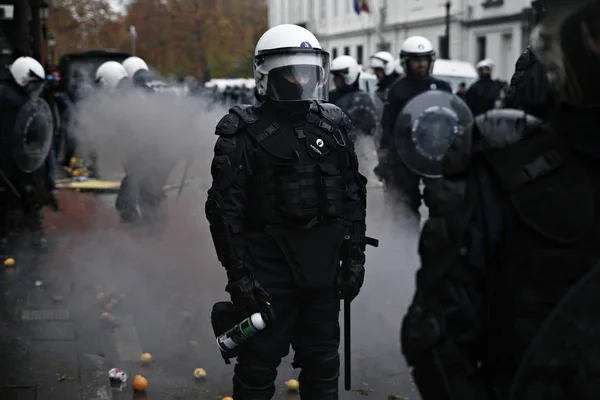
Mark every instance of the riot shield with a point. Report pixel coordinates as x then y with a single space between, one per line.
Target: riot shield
426 127
563 361
32 135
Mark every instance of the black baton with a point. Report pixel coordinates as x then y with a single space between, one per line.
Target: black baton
347 344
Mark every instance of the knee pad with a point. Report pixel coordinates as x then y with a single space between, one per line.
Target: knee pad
254 381
319 375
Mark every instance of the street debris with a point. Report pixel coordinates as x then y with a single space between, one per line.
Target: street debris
9 262
140 384
117 375
199 373
146 358
292 385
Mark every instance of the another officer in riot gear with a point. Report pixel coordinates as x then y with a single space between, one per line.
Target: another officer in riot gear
141 194
417 58
26 133
384 67
506 298
134 64
487 93
355 103
287 215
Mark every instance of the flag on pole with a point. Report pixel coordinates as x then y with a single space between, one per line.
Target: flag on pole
361 5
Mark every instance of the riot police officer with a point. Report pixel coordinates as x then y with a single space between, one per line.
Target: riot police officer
141 193
506 295
354 102
134 64
417 58
384 67
25 142
286 207
487 93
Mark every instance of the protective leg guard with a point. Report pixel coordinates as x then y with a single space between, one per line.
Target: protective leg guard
253 381
319 377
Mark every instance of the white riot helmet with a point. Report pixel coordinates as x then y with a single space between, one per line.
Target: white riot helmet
416 47
487 63
398 67
289 65
110 74
29 74
133 65
383 60
347 67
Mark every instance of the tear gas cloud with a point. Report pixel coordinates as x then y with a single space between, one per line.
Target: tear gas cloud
163 276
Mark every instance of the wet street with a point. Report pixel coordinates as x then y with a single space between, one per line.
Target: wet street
160 291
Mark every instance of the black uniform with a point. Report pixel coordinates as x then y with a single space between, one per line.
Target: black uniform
287 203
403 182
146 171
384 85
512 228
529 87
26 185
484 94
358 106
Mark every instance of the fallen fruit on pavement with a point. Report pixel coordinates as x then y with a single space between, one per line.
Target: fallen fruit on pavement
100 296
105 315
293 384
58 299
9 262
146 358
193 343
227 398
199 373
140 383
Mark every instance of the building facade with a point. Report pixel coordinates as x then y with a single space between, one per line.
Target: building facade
478 29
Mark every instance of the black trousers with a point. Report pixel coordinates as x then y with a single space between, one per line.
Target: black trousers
306 319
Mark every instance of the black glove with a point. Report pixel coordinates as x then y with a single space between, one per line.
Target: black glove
246 293
351 276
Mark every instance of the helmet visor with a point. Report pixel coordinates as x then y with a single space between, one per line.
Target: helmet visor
294 75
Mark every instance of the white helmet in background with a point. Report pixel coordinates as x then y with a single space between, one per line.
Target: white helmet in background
289 65
133 65
110 74
29 74
383 60
347 67
487 63
416 47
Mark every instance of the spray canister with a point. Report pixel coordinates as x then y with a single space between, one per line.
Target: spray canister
242 332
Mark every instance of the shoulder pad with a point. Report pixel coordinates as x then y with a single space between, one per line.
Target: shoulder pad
246 111
327 116
502 128
228 125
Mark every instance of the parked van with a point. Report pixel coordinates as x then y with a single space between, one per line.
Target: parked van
455 72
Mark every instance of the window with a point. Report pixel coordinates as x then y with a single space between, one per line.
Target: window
334 53
346 50
359 54
481 48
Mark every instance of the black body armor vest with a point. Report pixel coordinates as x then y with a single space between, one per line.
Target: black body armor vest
298 179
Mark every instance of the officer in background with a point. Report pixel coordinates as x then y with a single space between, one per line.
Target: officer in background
26 133
507 294
287 216
487 93
384 68
417 58
141 193
354 102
